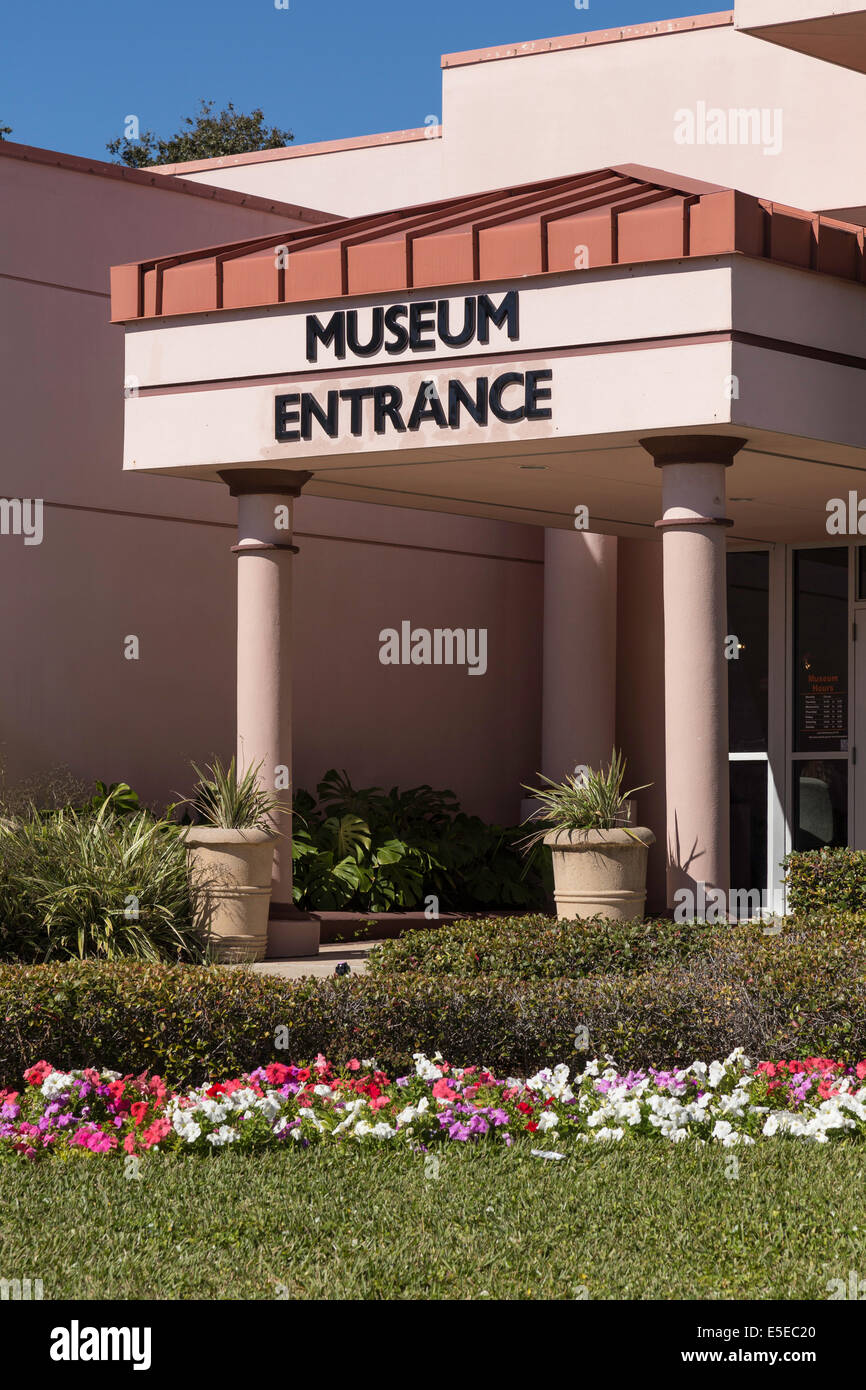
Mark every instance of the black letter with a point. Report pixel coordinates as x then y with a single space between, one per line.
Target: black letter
507 313
533 410
427 407
332 332
311 410
496 390
386 402
466 333
459 395
357 395
400 331
378 333
283 417
419 323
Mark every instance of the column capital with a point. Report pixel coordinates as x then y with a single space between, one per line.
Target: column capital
692 448
256 547
276 482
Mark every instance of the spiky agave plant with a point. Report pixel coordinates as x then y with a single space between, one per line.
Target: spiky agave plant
587 800
221 798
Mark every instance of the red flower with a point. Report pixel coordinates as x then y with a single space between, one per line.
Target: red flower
138 1111
277 1073
524 1108
218 1089
531 1126
35 1075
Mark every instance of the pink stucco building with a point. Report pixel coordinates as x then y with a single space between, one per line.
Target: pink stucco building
577 366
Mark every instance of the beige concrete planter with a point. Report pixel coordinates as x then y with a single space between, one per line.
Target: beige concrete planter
600 872
230 872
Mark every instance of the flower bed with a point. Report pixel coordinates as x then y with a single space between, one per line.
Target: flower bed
735 1102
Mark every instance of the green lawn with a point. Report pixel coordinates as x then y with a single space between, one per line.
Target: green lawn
647 1222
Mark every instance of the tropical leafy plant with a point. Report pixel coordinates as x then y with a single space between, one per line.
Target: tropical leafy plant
124 801
366 850
99 883
222 798
586 800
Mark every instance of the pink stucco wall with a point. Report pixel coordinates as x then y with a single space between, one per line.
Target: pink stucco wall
538 110
149 556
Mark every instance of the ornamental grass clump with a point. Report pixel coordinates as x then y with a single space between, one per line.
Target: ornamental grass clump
97 882
585 800
228 801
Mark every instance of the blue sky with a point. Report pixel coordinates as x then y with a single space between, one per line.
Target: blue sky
324 69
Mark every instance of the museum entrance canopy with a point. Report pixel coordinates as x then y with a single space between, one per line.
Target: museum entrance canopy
622 351
502 354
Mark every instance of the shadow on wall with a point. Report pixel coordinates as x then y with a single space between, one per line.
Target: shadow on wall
640 694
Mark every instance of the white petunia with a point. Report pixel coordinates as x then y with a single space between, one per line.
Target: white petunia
213 1109
715 1074
224 1135
425 1068
55 1084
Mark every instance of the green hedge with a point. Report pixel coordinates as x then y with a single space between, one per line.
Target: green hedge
793 995
543 948
826 882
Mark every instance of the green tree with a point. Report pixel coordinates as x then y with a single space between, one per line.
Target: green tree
4 131
206 137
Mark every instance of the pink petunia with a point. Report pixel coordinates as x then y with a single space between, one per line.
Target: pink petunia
155 1132
442 1091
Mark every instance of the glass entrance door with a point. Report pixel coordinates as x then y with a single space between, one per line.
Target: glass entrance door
794 713
748 653
819 704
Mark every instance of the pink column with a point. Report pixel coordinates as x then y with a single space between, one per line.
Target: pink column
696 678
264 673
579 690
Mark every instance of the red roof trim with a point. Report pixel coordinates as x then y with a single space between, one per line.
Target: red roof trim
613 216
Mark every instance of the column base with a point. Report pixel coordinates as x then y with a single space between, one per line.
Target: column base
292 932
